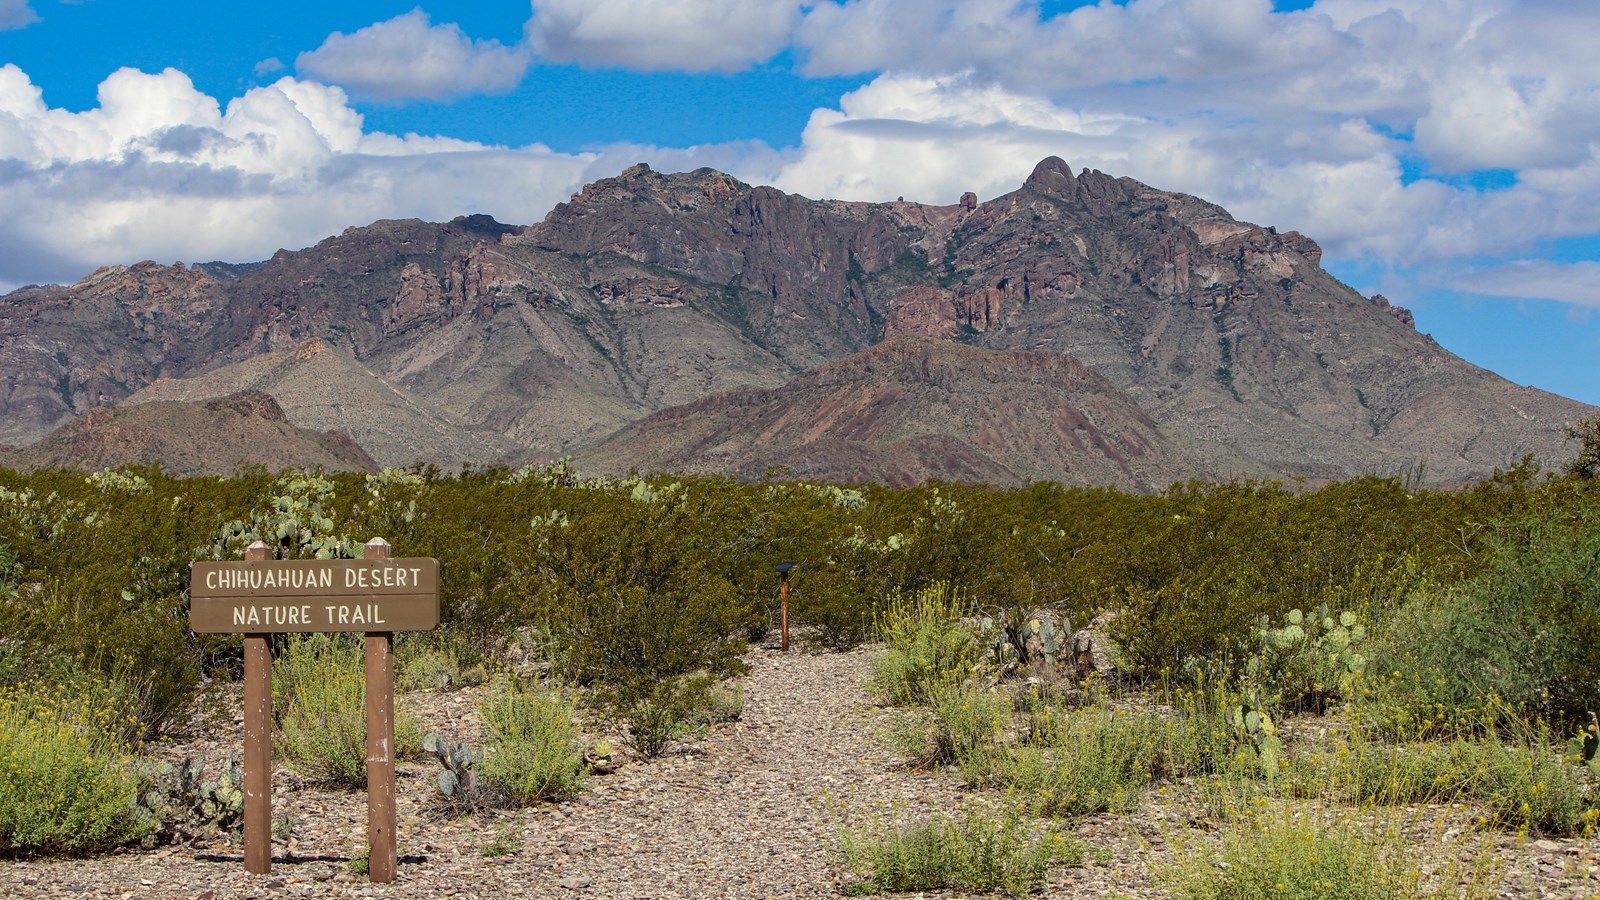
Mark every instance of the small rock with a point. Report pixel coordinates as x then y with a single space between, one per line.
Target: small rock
573 882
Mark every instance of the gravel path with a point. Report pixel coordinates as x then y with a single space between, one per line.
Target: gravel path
746 813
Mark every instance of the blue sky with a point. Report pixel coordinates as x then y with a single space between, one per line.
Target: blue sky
1443 152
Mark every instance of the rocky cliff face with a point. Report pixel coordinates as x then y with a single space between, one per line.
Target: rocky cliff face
648 292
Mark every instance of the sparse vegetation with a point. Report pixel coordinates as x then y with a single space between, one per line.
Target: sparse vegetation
320 689
1365 646
978 849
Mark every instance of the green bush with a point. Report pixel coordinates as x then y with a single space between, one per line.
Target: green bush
677 708
68 783
319 702
1521 638
532 747
927 645
630 594
978 850
437 661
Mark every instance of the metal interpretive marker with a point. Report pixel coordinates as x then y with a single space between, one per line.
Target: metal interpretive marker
260 596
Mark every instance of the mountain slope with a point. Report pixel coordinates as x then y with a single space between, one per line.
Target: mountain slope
323 389
910 409
216 437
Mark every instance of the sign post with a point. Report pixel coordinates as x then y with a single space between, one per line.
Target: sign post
260 596
257 742
382 817
783 570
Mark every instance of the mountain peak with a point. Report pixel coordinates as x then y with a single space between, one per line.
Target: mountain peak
1052 177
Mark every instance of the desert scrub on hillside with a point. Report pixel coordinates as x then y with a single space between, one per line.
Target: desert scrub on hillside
319 701
927 645
532 747
68 783
981 848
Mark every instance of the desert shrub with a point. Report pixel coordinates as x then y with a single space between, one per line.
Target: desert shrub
1520 638
632 599
1088 761
532 746
439 660
927 645
319 702
980 849
1278 852
68 782
1520 782
676 709
959 727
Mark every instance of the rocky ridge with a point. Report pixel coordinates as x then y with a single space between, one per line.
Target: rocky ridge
648 292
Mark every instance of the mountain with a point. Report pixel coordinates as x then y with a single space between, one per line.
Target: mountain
214 437
324 389
906 410
690 294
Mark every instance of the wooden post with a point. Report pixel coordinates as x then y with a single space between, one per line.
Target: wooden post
257 742
784 590
382 817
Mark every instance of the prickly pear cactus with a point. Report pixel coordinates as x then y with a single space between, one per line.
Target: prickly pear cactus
458 780
1020 640
1312 660
184 805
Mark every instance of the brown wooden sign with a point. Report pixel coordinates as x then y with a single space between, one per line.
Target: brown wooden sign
304 595
259 595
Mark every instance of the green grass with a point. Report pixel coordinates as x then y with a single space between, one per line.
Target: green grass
1290 853
319 700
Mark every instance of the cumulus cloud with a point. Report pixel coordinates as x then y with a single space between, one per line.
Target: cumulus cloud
688 35
160 170
1337 178
16 14
1480 83
408 57
1577 283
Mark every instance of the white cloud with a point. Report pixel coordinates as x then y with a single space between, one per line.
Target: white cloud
689 35
1336 178
1577 283
1483 83
16 14
159 170
408 57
